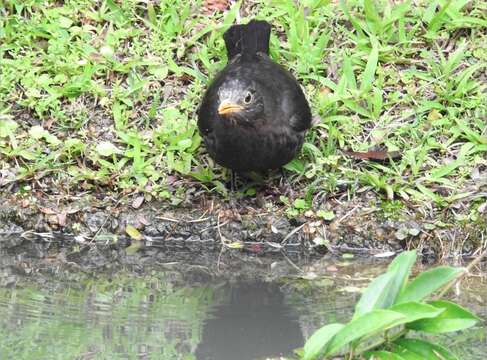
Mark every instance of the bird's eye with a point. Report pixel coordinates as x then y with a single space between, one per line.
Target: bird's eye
248 98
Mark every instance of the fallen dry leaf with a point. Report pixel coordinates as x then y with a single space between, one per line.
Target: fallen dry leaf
373 155
143 220
133 232
47 211
331 268
211 6
61 219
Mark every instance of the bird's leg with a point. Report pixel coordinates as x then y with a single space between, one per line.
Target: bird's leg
233 188
283 179
283 174
233 181
284 182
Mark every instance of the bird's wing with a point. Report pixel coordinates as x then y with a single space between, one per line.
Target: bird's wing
296 108
205 115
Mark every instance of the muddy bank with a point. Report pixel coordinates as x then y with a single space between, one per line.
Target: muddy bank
257 225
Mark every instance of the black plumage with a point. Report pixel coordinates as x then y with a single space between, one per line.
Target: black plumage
254 115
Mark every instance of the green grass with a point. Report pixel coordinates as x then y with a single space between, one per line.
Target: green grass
103 95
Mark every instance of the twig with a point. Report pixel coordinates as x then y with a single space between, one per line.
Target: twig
218 226
347 214
473 263
383 341
198 220
292 263
99 229
222 250
167 219
291 233
214 227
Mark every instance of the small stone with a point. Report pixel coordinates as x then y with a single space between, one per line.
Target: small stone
319 241
401 234
138 201
414 231
385 254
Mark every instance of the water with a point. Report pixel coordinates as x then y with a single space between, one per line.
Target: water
266 309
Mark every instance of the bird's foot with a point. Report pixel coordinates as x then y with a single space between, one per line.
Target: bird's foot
232 201
283 177
284 184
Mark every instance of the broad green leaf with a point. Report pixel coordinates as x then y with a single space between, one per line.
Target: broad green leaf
300 204
27 155
369 72
427 282
414 311
117 113
420 349
366 325
453 318
371 16
430 11
106 148
65 22
438 18
382 291
295 165
37 132
446 169
407 354
326 215
376 296
51 139
183 144
7 127
428 193
382 355
352 105
151 14
348 73
316 344
401 267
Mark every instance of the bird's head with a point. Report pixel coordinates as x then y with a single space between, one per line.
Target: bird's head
240 100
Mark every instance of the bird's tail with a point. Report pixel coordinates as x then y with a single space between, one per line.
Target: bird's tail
248 39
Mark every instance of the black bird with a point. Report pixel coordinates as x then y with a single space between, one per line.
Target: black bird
254 115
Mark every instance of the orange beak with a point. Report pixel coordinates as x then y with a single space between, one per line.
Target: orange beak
228 108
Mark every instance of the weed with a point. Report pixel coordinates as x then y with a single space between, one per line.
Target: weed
107 93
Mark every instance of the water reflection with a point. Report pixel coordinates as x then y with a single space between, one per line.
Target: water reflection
120 317
156 313
255 322
149 318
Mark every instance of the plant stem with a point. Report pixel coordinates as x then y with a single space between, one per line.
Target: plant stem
462 274
382 341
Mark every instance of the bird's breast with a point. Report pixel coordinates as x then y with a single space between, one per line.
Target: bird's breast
253 148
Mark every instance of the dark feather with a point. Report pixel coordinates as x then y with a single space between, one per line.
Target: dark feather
248 39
